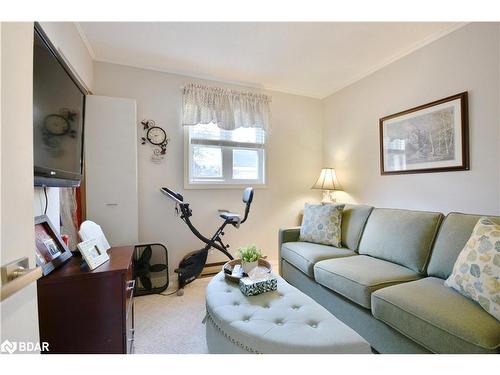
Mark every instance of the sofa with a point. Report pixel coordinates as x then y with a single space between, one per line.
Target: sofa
387 280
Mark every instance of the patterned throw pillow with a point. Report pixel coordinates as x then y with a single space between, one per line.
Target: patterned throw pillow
476 273
321 224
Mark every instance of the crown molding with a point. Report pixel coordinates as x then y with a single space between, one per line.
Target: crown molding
314 95
250 85
85 41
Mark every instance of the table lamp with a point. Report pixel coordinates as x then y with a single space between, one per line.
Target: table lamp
328 182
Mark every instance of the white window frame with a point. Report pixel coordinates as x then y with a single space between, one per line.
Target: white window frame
227 168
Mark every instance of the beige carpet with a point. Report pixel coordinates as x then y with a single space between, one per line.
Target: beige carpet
172 324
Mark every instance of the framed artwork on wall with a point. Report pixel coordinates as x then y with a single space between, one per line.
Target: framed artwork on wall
433 137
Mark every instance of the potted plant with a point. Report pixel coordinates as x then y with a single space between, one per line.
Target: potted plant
250 256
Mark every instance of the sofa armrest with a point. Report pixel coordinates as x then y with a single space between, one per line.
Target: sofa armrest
288 235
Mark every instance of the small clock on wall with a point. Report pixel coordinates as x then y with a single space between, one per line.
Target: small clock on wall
157 137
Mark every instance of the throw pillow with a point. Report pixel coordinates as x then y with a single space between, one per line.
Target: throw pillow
476 273
321 224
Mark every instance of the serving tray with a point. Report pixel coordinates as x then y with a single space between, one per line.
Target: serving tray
228 267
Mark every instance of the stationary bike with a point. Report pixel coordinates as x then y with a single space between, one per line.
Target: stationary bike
192 264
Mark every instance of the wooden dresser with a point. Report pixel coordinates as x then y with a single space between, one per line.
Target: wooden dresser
83 311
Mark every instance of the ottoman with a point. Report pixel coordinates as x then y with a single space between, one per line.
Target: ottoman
282 321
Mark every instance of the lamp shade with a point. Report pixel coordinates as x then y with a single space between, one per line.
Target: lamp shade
327 180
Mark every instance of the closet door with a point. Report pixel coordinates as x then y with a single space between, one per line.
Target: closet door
111 167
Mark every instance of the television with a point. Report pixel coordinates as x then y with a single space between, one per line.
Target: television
58 117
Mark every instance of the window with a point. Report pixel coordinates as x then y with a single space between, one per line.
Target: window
228 157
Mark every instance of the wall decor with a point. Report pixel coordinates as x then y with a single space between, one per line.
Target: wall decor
50 249
429 138
157 137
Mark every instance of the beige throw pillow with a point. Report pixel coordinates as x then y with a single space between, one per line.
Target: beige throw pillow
476 272
321 224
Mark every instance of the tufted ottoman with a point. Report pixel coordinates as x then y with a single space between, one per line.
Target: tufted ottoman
283 321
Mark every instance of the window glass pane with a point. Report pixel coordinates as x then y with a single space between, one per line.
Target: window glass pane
213 133
247 135
245 164
207 162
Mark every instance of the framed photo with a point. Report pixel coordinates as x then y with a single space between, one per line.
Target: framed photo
433 137
50 249
91 253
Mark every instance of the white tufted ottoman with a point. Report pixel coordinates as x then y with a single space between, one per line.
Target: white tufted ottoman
283 321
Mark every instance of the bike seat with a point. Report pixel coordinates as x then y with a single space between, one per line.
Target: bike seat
232 217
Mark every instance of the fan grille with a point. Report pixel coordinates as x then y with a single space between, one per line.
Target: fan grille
150 269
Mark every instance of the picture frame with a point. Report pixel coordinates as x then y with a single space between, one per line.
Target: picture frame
50 249
93 256
432 137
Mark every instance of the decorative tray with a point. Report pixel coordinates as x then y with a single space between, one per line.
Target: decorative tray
228 269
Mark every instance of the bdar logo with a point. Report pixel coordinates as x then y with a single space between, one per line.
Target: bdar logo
8 347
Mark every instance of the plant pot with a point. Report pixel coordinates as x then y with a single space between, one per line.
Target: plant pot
248 266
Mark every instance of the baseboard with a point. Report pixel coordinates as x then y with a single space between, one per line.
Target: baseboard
211 269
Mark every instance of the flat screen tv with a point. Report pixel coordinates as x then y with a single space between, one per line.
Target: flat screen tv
58 117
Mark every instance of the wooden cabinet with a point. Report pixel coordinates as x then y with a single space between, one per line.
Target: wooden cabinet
83 311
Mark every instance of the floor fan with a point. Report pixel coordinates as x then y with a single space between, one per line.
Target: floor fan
150 269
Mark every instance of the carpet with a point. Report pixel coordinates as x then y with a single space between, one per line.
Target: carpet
172 324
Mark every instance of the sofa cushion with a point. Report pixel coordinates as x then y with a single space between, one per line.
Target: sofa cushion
354 219
303 255
358 277
476 274
437 317
401 236
322 224
451 239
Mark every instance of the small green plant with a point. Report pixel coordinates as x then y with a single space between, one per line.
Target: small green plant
249 253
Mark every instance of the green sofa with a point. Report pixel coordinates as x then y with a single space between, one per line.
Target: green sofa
387 280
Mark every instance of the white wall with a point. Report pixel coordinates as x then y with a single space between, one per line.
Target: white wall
53 208
465 60
294 155
19 318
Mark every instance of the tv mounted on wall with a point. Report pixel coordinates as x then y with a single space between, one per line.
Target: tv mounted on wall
58 117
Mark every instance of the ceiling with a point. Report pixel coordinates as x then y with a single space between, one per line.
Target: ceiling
310 59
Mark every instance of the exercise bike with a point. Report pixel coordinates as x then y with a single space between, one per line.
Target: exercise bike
192 264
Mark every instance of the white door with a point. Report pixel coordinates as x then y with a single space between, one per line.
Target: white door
19 316
111 167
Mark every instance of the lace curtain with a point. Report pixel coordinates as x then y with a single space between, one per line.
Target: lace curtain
69 222
228 109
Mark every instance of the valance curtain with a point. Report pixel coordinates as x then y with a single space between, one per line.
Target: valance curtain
229 109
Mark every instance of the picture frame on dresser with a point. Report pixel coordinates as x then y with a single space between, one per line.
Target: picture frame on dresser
432 137
93 256
50 250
